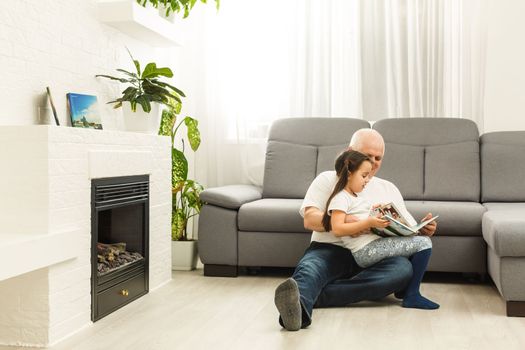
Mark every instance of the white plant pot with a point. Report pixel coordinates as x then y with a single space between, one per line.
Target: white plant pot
162 13
183 255
140 121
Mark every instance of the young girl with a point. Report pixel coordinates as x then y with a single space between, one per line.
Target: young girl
353 169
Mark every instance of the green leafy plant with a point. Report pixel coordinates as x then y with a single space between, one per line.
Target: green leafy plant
185 192
176 6
145 86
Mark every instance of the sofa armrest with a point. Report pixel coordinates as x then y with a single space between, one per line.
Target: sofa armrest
231 197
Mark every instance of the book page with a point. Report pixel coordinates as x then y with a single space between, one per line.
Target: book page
398 224
408 230
425 223
392 211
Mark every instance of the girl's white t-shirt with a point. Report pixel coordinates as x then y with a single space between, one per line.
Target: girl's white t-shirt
377 191
360 207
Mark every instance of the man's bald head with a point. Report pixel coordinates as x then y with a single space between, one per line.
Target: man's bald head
363 138
371 143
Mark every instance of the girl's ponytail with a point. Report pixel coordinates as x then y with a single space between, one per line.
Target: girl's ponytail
347 162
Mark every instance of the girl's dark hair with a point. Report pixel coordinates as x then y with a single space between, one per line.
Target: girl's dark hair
348 161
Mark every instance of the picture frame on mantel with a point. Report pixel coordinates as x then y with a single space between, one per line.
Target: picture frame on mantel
83 111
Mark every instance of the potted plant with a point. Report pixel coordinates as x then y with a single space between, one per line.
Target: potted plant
169 7
185 192
144 89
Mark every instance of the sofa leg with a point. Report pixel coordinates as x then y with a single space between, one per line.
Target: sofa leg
220 270
516 308
253 271
483 277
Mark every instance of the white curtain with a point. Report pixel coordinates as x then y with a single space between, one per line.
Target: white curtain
254 62
423 58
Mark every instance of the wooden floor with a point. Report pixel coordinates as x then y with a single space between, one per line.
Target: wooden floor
195 312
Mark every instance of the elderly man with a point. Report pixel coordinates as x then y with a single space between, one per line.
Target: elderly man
327 274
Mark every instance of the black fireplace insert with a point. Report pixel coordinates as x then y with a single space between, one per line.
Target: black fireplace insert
120 242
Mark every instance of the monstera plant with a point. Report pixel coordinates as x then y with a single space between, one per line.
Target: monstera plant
185 198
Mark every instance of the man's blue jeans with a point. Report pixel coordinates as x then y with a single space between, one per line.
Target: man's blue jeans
328 276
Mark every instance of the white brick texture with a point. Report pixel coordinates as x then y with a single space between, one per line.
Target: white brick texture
42 307
63 45
46 170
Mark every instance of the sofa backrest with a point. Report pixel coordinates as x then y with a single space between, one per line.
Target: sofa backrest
432 158
503 166
300 148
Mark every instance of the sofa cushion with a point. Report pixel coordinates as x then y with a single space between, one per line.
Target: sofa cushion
455 218
427 131
450 166
291 154
289 169
271 215
232 196
326 156
452 172
403 165
503 166
315 131
504 228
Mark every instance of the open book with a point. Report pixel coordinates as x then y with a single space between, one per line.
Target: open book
399 225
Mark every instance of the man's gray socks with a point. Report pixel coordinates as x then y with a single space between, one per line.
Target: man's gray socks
288 303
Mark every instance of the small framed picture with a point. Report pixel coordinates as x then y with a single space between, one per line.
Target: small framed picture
83 111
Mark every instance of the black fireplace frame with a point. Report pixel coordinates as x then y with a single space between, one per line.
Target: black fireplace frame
115 289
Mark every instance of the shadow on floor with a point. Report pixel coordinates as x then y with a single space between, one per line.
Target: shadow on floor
430 277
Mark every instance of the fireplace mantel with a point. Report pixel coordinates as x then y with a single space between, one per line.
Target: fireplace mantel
45 227
38 251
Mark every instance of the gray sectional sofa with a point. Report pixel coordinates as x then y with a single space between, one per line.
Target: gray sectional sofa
440 165
503 224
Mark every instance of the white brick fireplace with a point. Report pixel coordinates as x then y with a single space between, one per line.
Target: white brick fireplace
45 228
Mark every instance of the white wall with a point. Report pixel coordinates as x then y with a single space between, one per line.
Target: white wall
51 303
61 44
505 66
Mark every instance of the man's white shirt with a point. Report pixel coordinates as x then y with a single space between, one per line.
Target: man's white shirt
377 191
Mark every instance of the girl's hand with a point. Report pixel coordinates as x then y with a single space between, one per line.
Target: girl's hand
376 205
377 222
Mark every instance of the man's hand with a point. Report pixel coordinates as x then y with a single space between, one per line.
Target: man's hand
430 228
352 218
313 219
